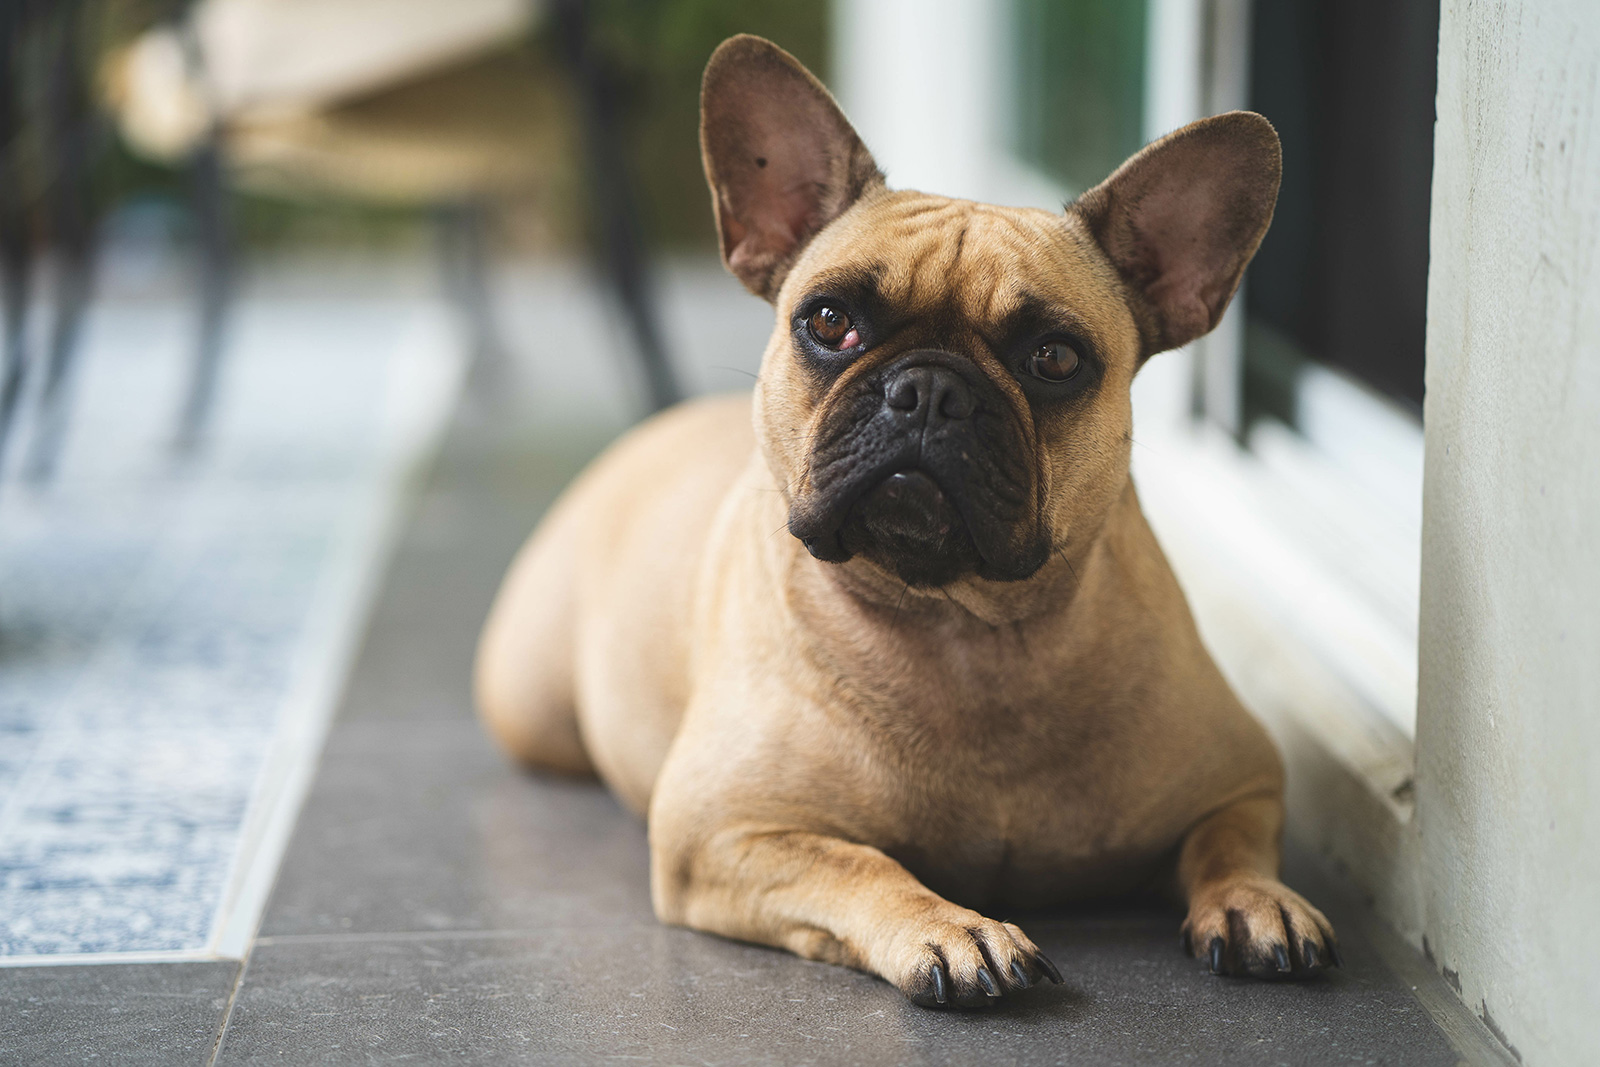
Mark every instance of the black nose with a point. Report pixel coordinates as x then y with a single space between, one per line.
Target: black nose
930 392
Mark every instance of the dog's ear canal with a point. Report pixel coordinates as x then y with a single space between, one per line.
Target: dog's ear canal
780 156
1181 219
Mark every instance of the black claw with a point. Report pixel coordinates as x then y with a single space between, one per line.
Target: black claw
1020 974
986 980
1309 951
939 994
1333 954
1186 942
1281 954
1216 955
1047 967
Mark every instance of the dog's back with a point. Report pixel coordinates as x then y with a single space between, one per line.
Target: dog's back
624 542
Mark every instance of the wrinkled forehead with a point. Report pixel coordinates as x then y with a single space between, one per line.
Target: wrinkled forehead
923 254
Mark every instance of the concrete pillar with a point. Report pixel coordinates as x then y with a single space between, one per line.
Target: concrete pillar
1508 725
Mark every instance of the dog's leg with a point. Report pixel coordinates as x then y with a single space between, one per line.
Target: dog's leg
839 902
1242 920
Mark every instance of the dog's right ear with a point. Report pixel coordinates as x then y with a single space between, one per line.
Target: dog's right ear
781 158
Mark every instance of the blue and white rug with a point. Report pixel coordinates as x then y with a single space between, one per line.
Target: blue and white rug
173 637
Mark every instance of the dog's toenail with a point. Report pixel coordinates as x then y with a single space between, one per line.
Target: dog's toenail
939 995
1047 967
1310 954
1216 955
1281 954
1019 974
986 980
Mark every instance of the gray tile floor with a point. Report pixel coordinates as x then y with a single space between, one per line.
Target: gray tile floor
438 906
123 1013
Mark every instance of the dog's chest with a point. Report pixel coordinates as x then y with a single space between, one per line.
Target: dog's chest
1022 824
1022 868
1000 774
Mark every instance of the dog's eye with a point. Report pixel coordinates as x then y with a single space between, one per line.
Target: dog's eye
833 329
1057 361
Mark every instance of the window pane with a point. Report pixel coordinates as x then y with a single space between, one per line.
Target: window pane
1342 276
1079 85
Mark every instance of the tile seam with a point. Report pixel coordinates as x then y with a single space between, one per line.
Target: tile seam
227 1011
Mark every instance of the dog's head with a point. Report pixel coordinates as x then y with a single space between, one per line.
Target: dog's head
946 392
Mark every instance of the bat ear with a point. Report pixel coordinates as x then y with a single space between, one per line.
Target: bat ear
781 158
1181 219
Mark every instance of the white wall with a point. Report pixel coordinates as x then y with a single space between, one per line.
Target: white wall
1508 731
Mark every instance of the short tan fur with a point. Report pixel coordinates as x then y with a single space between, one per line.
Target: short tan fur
862 767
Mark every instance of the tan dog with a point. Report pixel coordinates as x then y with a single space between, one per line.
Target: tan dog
965 677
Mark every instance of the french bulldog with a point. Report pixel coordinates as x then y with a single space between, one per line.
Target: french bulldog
886 647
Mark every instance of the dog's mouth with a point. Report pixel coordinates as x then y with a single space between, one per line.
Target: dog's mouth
909 524
907 506
925 522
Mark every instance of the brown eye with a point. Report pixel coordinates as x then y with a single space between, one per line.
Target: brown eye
832 328
1054 362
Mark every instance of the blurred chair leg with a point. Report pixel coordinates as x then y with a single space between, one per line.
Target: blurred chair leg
216 291
14 251
623 246
71 132
14 264
463 241
55 399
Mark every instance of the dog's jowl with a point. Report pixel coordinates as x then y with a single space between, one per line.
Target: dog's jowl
887 647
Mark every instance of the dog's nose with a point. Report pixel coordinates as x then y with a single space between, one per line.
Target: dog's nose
931 391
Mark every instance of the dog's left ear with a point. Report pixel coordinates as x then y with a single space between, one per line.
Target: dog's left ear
1181 219
781 158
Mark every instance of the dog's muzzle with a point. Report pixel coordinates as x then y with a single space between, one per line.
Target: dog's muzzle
921 469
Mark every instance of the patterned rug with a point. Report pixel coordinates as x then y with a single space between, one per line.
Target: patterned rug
173 633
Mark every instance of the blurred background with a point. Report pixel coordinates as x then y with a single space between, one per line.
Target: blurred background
261 257
195 145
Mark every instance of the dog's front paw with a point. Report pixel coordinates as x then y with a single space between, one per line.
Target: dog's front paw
1258 927
960 959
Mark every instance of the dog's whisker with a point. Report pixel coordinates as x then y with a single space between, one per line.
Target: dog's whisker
1062 552
894 621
